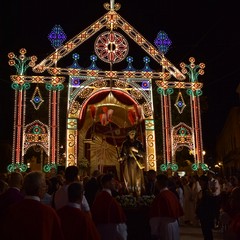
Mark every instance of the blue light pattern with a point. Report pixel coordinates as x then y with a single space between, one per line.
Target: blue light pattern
129 67
57 36
162 42
146 68
75 64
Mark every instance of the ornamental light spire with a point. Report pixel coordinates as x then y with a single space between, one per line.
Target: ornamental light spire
112 3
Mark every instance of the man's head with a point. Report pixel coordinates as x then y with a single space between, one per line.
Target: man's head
151 174
75 192
96 173
35 184
108 181
71 174
203 181
162 181
16 180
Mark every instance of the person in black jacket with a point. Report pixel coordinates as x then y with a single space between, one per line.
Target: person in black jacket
91 187
206 208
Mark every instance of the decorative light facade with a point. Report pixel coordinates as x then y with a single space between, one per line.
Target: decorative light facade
85 84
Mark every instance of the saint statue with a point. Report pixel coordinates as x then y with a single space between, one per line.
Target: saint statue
132 158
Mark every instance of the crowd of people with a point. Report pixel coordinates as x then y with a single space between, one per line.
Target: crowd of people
65 206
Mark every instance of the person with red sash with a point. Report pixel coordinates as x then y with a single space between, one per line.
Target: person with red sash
12 195
107 213
74 221
164 212
30 219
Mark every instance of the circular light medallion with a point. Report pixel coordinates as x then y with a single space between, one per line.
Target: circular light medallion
111 47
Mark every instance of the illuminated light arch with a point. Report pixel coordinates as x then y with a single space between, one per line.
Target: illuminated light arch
182 136
77 110
92 94
37 133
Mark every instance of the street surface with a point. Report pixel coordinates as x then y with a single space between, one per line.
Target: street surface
194 233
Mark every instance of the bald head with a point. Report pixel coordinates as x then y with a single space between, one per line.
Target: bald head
35 184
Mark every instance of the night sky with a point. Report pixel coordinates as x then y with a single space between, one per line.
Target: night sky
207 30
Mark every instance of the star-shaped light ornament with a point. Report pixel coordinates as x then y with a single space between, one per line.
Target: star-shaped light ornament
36 99
180 103
162 42
57 36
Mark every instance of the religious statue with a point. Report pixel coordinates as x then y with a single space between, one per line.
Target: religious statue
132 158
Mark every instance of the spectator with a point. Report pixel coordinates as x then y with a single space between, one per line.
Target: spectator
150 182
3 186
172 185
179 189
165 211
74 221
84 180
195 189
11 195
61 178
233 216
47 199
216 192
188 203
107 213
56 183
206 208
234 181
92 187
30 218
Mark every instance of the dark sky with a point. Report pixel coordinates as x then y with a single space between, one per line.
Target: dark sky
207 30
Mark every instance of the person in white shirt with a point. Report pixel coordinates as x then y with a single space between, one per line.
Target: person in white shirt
188 203
195 189
179 189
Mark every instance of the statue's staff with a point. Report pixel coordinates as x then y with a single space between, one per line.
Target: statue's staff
133 155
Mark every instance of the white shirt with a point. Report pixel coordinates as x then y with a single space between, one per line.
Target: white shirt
61 199
36 198
214 183
74 205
